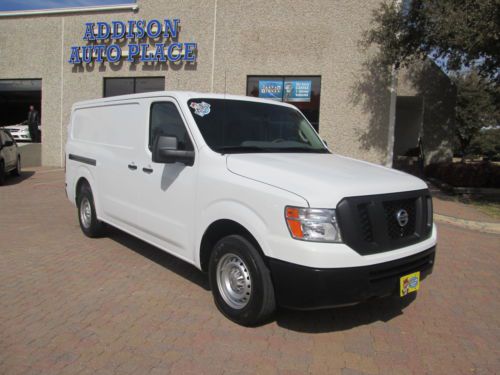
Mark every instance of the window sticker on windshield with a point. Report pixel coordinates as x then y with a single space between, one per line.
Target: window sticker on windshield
201 109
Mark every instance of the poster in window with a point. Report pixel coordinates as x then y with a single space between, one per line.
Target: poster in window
297 91
271 90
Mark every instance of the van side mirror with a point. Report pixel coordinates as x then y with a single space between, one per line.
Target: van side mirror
8 143
165 151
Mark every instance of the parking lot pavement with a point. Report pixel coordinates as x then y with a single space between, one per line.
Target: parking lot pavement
31 154
115 305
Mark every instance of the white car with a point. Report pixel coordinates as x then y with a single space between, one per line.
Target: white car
246 190
10 160
20 132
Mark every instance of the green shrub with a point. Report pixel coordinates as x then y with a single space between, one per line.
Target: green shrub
478 175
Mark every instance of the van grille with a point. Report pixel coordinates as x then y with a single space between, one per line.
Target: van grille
391 209
366 227
369 224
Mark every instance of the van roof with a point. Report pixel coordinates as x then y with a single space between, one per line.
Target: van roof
181 96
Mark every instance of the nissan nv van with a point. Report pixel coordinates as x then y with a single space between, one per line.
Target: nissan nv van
246 190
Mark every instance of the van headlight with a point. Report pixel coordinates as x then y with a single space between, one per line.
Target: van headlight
313 224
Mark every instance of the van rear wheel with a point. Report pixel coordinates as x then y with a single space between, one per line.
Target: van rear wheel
90 225
241 282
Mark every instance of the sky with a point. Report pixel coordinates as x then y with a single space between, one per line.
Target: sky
7 5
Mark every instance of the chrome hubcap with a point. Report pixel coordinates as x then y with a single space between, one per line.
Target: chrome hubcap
85 212
233 281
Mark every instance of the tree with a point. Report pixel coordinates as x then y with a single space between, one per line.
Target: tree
475 108
463 36
459 33
487 143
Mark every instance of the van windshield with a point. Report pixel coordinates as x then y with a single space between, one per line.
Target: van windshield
238 126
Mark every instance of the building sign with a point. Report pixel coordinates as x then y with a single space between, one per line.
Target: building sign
286 91
134 40
271 90
297 91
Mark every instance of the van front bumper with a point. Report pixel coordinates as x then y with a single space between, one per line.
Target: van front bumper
307 288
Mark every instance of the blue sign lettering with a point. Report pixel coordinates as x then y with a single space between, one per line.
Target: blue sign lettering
75 55
132 31
160 52
154 29
89 31
118 30
174 55
140 29
112 58
99 51
87 54
133 51
190 52
171 28
145 57
103 30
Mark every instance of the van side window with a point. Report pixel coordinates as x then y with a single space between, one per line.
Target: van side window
166 120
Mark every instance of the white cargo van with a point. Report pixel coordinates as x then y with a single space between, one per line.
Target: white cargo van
246 190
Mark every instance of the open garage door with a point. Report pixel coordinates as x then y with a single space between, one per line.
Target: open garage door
16 96
408 152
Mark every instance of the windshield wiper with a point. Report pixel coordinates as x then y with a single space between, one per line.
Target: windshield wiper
241 149
301 149
250 149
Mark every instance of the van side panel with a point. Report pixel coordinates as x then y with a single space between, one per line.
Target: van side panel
110 125
104 139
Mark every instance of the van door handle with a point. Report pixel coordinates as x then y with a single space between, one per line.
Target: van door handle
132 167
147 170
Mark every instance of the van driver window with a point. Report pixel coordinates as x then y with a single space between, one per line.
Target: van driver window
166 121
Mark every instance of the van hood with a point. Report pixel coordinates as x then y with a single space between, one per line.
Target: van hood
321 179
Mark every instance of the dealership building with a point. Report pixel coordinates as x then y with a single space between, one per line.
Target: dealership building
308 53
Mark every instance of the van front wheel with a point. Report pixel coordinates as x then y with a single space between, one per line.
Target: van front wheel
90 225
241 282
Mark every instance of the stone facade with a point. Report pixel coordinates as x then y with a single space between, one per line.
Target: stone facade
235 39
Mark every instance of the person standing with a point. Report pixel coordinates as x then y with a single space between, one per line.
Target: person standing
33 122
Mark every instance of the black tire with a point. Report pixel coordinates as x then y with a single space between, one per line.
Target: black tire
17 171
90 225
260 304
2 172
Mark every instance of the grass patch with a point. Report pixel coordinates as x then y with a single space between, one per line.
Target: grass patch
489 208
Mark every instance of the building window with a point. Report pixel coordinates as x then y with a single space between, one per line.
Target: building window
132 85
301 91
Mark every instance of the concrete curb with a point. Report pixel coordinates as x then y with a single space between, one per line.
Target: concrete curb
480 226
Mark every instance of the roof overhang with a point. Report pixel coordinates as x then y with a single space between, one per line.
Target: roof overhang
40 12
